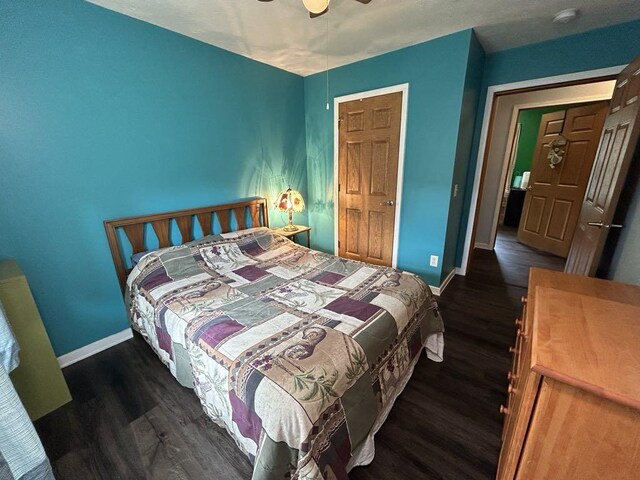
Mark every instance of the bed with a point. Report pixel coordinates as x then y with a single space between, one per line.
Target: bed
298 354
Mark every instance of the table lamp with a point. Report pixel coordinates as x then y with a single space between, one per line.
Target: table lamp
290 201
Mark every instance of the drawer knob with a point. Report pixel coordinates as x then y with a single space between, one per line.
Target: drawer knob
518 322
504 410
513 350
522 334
511 389
523 299
511 376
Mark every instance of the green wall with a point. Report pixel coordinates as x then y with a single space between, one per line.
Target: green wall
104 116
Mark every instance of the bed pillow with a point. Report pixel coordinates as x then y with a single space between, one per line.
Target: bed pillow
136 257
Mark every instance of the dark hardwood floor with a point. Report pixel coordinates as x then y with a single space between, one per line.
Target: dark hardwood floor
514 259
129 418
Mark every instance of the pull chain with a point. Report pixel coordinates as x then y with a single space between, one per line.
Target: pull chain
327 52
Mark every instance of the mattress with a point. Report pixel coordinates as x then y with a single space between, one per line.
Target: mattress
298 354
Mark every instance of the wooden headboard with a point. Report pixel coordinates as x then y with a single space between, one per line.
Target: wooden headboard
134 227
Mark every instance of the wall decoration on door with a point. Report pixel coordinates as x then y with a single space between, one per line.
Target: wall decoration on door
556 151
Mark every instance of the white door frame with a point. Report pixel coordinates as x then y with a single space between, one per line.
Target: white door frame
404 89
491 92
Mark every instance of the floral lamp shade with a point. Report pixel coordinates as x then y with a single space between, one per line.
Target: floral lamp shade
290 201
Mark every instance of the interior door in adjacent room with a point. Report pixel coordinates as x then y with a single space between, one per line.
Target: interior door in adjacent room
555 192
618 146
368 161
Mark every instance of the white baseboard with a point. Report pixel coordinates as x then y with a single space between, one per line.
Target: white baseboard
93 348
483 246
438 290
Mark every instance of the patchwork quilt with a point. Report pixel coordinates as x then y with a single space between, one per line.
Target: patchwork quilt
295 352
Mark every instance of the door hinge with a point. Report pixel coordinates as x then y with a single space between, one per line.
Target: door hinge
338 243
338 187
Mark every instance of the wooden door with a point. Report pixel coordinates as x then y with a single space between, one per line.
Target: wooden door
617 147
554 197
368 152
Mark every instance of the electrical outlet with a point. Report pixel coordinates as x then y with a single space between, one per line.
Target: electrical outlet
433 261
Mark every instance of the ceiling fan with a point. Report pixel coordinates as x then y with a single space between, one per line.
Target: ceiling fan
318 7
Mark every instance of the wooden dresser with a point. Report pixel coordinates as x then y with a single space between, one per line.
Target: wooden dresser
573 408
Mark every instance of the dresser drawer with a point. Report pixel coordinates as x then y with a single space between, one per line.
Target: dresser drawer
575 435
573 409
521 392
519 349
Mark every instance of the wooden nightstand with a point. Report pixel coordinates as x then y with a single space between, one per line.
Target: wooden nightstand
292 235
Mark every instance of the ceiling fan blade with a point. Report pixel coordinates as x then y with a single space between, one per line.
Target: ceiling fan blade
315 15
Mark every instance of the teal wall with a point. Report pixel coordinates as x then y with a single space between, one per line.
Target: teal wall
472 85
529 120
436 72
104 116
601 48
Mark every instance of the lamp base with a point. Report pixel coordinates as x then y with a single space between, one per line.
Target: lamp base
290 228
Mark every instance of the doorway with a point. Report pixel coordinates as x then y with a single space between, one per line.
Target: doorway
369 133
508 215
561 165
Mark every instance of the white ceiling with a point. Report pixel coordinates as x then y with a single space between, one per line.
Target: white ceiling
281 33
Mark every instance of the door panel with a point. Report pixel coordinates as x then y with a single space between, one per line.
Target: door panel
533 214
368 153
559 220
355 121
571 170
379 178
611 167
617 147
376 235
354 156
552 203
381 118
353 225
535 205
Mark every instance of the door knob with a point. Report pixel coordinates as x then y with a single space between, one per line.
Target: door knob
602 225
390 203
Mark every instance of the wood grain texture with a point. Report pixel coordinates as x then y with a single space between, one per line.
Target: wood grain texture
224 217
204 219
185 225
579 342
616 151
576 435
368 156
255 216
161 227
553 200
575 387
240 217
135 234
